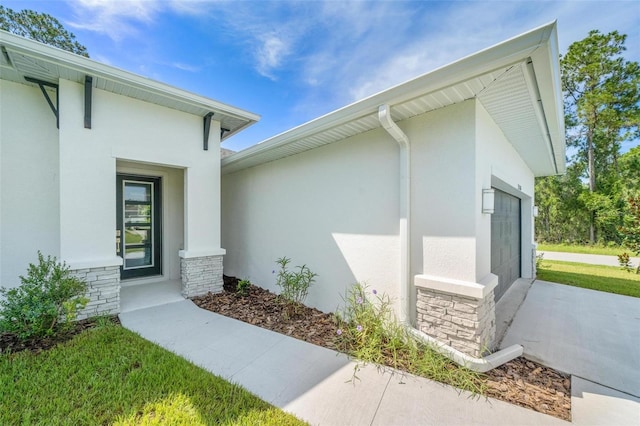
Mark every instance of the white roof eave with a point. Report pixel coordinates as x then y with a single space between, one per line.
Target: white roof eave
538 44
77 63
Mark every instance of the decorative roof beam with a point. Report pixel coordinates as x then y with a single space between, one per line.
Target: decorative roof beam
55 108
207 127
88 87
223 131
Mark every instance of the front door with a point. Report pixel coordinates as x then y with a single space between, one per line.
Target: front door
139 225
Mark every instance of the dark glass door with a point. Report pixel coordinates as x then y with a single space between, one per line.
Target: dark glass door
138 237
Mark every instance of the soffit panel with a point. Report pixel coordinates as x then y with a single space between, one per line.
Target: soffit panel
421 104
23 65
510 104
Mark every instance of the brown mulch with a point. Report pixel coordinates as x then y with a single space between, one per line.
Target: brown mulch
9 343
520 381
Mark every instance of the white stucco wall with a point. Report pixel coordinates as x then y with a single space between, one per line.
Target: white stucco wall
29 178
498 165
334 208
131 130
443 210
58 186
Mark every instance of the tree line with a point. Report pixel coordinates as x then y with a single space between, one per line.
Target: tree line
594 201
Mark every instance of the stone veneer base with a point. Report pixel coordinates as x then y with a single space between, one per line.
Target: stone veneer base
201 275
462 322
103 290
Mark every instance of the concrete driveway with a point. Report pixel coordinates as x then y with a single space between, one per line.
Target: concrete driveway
592 335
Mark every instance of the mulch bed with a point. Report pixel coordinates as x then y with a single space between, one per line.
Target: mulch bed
520 381
9 343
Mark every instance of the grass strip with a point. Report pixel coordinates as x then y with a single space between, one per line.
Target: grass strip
610 279
583 249
109 375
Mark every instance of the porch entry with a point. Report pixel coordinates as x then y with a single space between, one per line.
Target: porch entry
139 225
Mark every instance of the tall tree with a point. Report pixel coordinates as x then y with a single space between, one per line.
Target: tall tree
40 27
602 105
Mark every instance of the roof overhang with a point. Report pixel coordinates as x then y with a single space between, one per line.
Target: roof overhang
20 58
517 81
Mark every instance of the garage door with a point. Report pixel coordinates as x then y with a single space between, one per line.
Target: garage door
505 241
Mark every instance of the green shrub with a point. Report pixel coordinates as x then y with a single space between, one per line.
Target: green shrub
242 288
294 285
46 301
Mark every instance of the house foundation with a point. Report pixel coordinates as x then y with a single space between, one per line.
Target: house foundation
201 275
459 314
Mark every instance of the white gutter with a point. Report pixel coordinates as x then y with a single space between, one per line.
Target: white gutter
384 116
480 365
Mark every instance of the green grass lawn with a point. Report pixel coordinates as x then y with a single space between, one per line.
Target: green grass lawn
109 375
595 277
584 249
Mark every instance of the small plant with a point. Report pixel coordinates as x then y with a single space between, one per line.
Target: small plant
625 262
242 289
294 285
46 302
368 331
539 260
631 230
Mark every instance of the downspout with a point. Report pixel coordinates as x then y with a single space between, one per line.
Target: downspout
384 116
476 364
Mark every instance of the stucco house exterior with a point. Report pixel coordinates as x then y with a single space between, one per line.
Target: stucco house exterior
115 174
424 191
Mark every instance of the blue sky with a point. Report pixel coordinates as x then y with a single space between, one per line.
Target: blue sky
291 61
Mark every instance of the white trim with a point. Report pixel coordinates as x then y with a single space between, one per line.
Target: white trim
190 254
463 288
152 226
509 52
97 263
481 365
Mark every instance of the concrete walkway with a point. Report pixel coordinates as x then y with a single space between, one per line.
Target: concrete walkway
594 259
312 382
594 336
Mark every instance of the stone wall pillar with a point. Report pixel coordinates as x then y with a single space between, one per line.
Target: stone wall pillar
459 314
201 275
103 290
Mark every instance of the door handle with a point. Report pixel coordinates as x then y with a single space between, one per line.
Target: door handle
118 241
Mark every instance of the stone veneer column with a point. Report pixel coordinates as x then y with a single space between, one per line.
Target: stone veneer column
465 321
103 290
201 275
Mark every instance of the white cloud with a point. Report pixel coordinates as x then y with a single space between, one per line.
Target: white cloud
270 53
186 67
115 18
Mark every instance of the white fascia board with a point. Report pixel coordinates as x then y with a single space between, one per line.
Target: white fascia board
509 52
90 67
547 69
